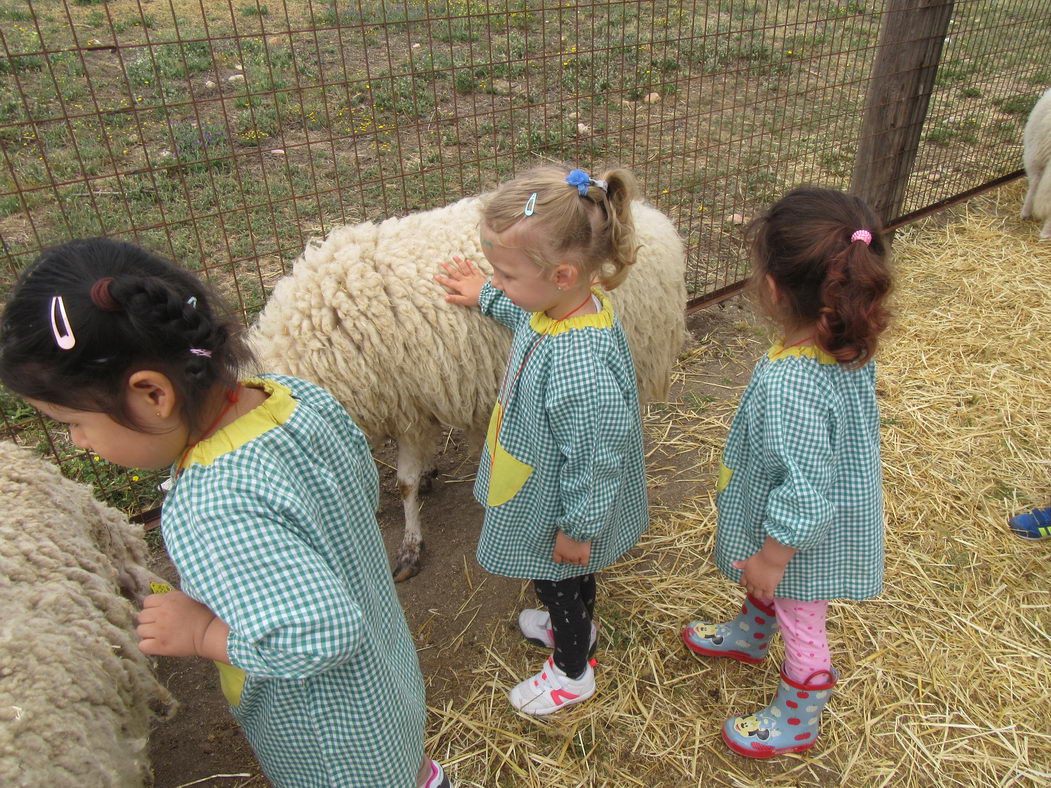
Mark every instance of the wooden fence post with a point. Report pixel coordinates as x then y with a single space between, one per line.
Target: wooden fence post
910 46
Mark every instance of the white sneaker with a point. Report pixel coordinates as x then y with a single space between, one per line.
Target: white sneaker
536 628
551 690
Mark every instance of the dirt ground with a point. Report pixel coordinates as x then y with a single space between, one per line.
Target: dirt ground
452 605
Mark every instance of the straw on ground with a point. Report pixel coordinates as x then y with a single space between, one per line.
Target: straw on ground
945 677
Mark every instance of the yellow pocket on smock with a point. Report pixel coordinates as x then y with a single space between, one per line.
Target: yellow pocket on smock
724 478
506 473
232 682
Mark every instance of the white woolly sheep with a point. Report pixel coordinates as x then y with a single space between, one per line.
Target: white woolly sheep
362 316
1037 158
76 694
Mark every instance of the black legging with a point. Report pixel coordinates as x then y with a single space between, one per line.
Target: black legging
571 603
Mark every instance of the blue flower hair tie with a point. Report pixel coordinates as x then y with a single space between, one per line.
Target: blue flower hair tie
581 180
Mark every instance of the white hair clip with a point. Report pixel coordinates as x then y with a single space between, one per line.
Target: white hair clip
530 205
63 338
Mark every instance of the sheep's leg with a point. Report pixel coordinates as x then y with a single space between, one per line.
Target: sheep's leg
415 457
429 474
1042 203
1030 195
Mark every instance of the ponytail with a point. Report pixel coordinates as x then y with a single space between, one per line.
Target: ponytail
824 250
618 229
853 314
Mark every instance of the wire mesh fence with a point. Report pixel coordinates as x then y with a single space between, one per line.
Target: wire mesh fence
227 134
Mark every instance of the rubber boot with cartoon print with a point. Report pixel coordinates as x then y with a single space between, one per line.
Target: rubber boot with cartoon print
745 638
789 724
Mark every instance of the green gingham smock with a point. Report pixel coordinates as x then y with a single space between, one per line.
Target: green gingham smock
569 456
802 465
272 526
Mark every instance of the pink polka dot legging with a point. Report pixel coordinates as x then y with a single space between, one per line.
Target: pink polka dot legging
803 631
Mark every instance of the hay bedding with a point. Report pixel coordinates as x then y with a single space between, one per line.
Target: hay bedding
945 679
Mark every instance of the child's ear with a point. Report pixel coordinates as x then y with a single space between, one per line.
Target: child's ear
151 395
773 290
566 276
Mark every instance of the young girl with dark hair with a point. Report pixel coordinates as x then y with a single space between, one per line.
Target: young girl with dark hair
800 490
270 522
562 475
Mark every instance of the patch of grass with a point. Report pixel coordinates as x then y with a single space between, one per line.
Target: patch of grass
255 10
952 73
1020 104
697 402
15 13
200 147
954 131
163 69
1041 76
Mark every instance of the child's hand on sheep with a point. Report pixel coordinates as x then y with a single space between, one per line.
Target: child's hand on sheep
463 280
175 625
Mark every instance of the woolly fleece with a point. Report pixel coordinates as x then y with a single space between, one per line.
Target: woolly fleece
76 694
1037 157
362 316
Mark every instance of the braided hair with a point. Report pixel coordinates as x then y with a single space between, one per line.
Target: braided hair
126 309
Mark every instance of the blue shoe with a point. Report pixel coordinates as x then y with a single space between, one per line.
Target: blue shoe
789 724
745 638
1032 525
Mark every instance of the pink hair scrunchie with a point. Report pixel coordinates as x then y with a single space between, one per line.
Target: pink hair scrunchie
861 235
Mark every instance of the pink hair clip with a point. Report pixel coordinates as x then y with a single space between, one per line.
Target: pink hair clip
63 335
861 235
201 352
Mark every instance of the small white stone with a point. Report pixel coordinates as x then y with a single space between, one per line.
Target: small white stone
415 46
583 129
652 98
210 84
236 78
278 152
238 67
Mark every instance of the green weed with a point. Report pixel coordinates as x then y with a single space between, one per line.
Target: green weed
1016 105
